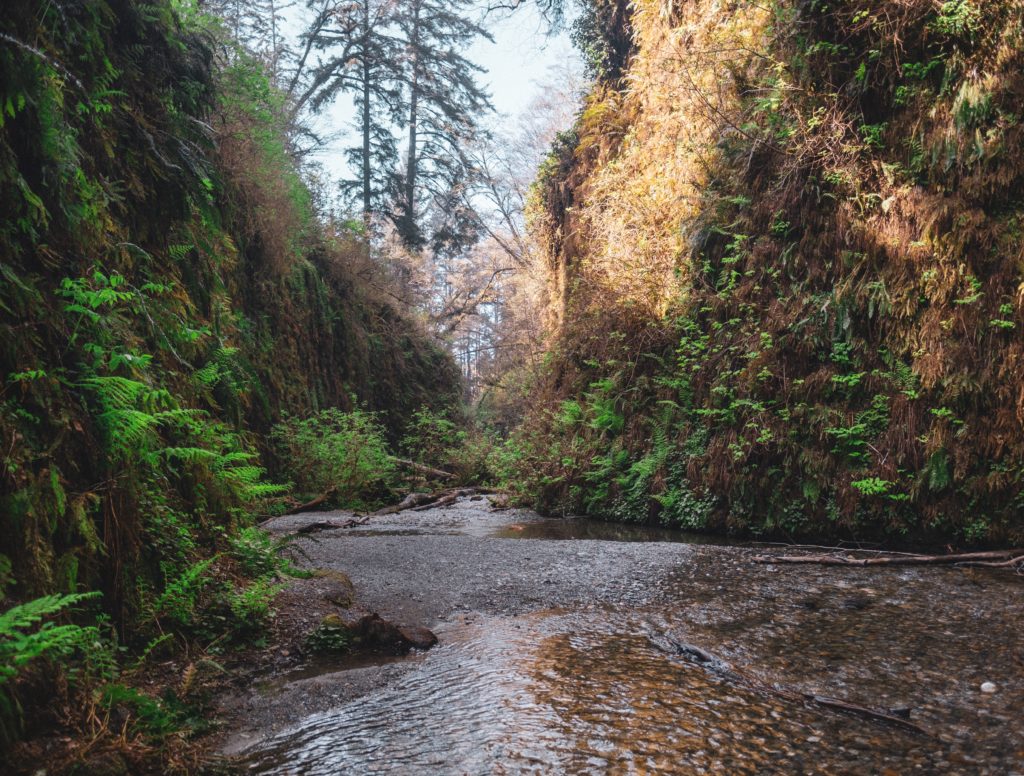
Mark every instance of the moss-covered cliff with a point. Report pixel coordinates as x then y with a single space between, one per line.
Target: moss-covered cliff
786 255
166 293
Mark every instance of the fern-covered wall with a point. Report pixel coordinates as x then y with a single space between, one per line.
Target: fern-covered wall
165 295
787 247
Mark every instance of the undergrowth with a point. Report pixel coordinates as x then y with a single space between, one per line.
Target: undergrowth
166 297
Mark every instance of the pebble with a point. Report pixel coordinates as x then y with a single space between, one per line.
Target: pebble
988 687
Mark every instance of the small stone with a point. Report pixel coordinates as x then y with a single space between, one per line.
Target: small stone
988 687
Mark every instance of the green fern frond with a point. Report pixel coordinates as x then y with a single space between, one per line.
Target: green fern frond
127 429
27 614
116 392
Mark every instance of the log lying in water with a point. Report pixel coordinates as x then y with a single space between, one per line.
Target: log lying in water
724 668
993 558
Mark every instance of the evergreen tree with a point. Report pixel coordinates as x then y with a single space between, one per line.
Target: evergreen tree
269 40
443 107
258 25
360 58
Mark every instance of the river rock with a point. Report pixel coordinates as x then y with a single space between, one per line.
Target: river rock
988 687
335 587
418 636
371 631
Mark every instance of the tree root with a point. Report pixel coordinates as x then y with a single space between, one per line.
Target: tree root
1005 558
724 668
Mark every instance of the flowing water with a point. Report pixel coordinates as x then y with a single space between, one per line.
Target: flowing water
602 688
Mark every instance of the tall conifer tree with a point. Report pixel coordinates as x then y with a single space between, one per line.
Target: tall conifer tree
443 108
360 56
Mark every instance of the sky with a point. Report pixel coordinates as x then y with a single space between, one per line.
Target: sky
518 64
520 59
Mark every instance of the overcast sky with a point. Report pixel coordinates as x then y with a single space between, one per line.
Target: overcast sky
520 61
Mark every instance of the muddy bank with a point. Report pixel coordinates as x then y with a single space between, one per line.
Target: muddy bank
552 658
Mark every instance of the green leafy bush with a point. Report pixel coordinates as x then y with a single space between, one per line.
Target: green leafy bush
344 453
259 554
251 603
433 439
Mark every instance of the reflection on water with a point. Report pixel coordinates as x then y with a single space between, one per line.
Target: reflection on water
584 528
592 692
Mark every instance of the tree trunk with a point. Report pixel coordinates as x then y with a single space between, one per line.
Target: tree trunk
1006 557
411 164
367 199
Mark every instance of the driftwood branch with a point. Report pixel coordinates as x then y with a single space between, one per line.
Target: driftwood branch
1004 558
430 471
722 667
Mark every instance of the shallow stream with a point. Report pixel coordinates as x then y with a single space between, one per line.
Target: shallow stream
580 673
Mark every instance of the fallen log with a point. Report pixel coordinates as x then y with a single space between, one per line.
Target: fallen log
317 527
410 501
444 501
330 525
724 668
448 497
314 503
430 471
1010 558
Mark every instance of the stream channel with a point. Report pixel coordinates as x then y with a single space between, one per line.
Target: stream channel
558 655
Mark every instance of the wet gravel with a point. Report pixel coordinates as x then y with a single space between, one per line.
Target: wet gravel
421 567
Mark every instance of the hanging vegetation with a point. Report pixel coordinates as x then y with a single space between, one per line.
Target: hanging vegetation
785 251
166 294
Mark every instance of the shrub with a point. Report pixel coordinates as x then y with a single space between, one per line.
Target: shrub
251 604
344 453
434 440
28 633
